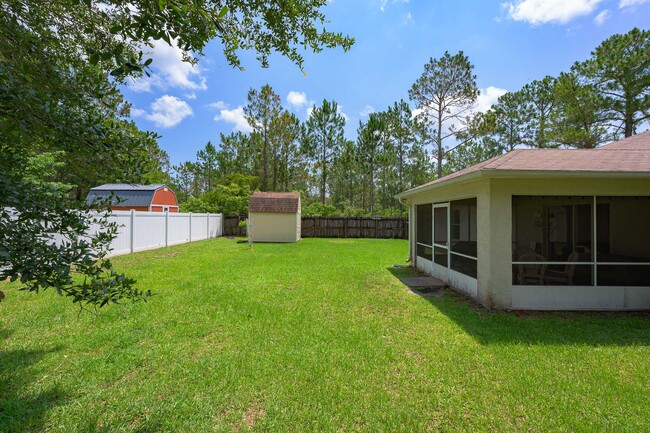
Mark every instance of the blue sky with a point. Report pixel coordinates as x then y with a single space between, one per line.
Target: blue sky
509 44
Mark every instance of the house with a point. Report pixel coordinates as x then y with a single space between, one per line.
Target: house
148 198
541 229
274 217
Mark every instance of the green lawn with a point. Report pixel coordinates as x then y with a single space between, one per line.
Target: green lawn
314 336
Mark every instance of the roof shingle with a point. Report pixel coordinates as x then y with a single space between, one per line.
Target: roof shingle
274 202
631 155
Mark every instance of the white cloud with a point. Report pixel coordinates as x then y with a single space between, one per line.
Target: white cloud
408 19
545 11
367 110
384 3
601 17
191 95
166 111
169 71
625 3
488 97
235 116
219 105
297 99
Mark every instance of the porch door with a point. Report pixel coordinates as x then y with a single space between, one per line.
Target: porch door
441 236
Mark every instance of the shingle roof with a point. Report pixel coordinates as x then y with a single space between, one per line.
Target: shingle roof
631 155
274 202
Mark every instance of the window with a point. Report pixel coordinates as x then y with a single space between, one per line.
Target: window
603 241
424 231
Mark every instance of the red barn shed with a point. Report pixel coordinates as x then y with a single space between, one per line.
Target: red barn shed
149 198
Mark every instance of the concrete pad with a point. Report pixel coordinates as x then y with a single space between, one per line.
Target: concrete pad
423 282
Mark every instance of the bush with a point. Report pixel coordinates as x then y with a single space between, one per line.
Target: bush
319 209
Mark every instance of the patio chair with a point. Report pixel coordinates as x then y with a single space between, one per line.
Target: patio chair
565 276
531 273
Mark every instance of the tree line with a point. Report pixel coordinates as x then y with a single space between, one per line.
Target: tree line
335 175
603 98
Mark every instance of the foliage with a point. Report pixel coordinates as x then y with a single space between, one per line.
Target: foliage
322 140
231 197
197 205
262 110
580 119
619 68
206 159
319 209
536 111
444 94
45 244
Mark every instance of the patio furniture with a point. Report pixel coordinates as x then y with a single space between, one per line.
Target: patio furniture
565 276
531 273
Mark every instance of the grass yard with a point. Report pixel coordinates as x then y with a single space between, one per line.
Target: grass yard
315 336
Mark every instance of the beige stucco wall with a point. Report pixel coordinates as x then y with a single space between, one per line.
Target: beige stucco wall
478 189
494 226
274 226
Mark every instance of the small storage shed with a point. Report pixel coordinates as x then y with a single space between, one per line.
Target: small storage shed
148 198
274 217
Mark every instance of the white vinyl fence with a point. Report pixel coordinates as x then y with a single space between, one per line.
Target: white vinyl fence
139 231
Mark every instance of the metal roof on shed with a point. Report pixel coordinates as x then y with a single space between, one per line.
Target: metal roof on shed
274 202
123 198
125 194
128 187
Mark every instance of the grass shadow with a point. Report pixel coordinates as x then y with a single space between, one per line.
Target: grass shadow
538 327
21 410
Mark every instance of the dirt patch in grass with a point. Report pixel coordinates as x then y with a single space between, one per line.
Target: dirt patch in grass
253 413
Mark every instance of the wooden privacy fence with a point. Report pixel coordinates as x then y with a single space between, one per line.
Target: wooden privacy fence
231 226
337 227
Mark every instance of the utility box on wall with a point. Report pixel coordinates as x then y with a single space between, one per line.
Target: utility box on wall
274 217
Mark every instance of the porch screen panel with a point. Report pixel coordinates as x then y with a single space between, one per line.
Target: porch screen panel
552 240
463 246
623 241
424 231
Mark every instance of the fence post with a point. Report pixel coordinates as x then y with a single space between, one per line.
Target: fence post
208 226
190 226
166 228
132 240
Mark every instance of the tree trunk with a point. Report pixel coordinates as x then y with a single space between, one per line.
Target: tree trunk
324 176
439 142
629 123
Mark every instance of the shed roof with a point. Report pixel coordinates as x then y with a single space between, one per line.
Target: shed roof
126 194
631 155
274 202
